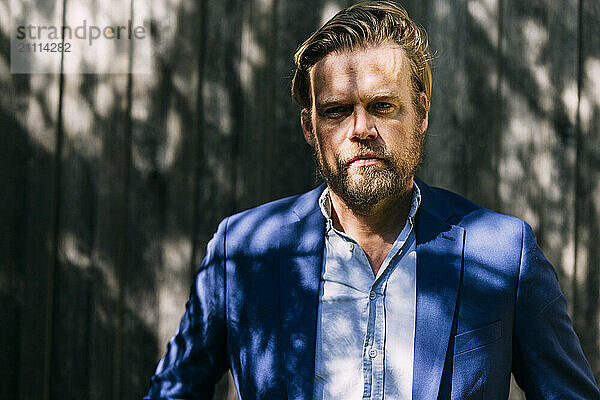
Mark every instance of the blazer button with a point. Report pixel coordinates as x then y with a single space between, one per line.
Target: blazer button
372 295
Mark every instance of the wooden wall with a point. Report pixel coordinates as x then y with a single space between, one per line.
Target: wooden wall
113 184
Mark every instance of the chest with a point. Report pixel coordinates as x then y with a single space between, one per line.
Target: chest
365 323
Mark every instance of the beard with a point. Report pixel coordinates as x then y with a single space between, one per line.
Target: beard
364 187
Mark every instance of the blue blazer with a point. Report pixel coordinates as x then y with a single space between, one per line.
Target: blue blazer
488 304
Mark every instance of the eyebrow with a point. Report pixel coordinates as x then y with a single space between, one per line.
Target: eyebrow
381 95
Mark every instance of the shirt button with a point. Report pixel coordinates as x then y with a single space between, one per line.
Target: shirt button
351 247
372 295
373 353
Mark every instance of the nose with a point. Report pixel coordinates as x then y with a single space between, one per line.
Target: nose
364 125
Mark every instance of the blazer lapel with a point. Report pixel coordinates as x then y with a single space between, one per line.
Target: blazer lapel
301 257
439 266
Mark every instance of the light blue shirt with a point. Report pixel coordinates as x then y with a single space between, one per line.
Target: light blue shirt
366 323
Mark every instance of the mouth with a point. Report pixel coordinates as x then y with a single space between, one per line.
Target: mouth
363 161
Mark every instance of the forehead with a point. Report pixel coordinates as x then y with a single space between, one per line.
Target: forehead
361 72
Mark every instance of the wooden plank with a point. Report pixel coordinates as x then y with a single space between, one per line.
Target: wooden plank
36 102
219 112
537 156
111 242
445 152
536 153
586 277
257 76
176 117
240 135
13 175
111 170
418 11
172 121
38 271
276 161
484 107
293 166
70 335
12 196
165 148
77 275
221 109
139 307
70 378
93 234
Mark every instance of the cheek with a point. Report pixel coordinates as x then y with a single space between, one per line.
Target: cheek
407 131
327 141
323 149
334 131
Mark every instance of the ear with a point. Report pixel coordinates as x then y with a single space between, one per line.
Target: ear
425 103
306 122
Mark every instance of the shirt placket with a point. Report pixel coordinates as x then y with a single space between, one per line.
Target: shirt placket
379 345
374 347
373 354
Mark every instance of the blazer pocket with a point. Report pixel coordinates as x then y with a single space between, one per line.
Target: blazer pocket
479 337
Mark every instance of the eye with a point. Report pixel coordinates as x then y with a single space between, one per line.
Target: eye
382 107
335 112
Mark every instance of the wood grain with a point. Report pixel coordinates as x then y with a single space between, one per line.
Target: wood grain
114 183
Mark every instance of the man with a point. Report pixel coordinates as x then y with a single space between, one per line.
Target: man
375 285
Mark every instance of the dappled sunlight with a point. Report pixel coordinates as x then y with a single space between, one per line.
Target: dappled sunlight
590 97
221 99
567 260
442 10
174 133
80 120
104 55
512 168
42 108
104 99
265 6
173 286
329 9
107 51
5 24
35 14
535 38
570 99
142 57
265 352
485 14
73 252
252 56
4 72
537 154
150 163
107 272
5 16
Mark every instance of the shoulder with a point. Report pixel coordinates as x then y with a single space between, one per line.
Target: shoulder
486 231
258 226
461 211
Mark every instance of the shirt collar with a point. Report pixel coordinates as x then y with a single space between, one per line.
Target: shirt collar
325 205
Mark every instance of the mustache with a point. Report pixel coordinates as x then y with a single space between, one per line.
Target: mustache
364 151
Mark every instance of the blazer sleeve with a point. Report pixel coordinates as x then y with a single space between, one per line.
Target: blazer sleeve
548 362
196 356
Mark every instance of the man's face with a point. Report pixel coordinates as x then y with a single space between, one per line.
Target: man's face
363 126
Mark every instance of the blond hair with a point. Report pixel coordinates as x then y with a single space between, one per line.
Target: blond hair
359 26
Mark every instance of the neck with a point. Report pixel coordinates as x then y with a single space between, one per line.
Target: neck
381 223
